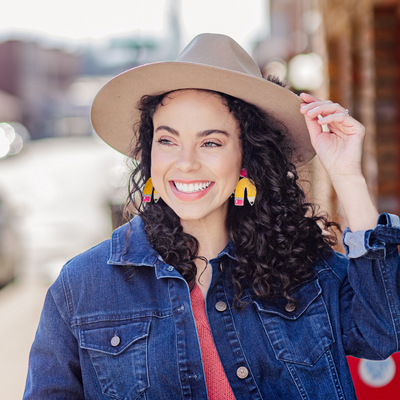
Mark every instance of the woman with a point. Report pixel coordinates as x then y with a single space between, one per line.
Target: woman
208 292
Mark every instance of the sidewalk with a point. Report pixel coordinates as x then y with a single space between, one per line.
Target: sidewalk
20 307
63 189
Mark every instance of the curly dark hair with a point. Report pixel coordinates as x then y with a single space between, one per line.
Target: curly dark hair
276 241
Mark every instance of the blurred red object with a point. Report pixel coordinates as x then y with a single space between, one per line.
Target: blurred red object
376 379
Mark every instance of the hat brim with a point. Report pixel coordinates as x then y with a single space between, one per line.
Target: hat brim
114 110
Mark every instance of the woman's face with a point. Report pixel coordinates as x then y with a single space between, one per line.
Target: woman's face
196 154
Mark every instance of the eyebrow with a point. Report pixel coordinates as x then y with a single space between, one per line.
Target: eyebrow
200 134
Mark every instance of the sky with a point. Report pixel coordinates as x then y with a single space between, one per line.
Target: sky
78 21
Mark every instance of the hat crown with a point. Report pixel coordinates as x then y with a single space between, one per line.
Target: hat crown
219 51
211 62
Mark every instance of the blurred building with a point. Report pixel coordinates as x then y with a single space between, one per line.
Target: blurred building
10 107
347 51
49 90
36 78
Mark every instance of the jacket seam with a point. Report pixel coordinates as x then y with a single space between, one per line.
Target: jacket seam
67 324
178 367
241 347
127 318
67 294
389 298
296 380
333 271
334 375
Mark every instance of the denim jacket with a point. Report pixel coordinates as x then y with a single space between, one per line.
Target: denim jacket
112 332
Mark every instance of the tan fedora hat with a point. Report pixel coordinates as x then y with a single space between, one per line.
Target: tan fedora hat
210 61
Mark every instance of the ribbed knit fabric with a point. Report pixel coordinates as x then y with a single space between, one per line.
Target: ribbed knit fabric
217 383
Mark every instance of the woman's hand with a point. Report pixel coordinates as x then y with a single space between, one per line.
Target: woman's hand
340 149
340 152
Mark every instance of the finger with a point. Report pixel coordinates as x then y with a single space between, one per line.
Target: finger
308 98
306 107
344 119
314 127
326 109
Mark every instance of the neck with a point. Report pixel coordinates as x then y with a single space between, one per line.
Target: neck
212 237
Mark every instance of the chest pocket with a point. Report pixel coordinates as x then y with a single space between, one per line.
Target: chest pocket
300 336
119 356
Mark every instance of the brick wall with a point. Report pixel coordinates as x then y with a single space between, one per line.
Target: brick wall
386 48
363 61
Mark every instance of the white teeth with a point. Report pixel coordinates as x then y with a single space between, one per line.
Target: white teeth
191 188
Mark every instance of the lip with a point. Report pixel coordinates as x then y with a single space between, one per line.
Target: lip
189 196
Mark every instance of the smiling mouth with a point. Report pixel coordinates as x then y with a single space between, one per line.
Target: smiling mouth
192 187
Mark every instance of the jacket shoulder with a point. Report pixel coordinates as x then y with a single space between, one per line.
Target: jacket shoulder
79 277
337 263
89 263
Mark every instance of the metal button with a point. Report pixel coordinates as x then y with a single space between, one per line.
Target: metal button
170 268
242 372
115 341
290 307
221 306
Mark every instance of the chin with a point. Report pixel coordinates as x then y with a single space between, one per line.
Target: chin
206 216
190 216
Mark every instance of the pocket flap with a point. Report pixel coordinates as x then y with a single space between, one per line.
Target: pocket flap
304 296
300 336
114 339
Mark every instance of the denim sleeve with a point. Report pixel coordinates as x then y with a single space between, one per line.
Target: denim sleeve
370 298
54 370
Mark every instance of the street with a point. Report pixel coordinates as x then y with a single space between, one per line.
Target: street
20 307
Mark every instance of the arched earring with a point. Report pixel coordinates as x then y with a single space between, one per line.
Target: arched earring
245 184
148 191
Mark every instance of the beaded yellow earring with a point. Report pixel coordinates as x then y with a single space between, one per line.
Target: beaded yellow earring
245 184
148 191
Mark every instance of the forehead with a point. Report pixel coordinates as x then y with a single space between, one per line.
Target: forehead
198 95
199 105
193 92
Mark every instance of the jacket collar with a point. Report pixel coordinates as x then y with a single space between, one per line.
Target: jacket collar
136 250
132 250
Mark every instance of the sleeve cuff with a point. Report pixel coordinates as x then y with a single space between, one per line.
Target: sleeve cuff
360 243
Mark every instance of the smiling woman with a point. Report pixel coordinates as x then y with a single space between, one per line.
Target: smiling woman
196 141
224 285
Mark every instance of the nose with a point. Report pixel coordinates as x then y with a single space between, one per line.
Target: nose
187 160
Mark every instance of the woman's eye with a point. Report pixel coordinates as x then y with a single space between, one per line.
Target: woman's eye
211 144
165 142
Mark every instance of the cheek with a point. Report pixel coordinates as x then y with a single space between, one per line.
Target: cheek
235 161
159 167
155 166
233 179
231 171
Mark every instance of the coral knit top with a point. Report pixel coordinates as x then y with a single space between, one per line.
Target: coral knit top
218 387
